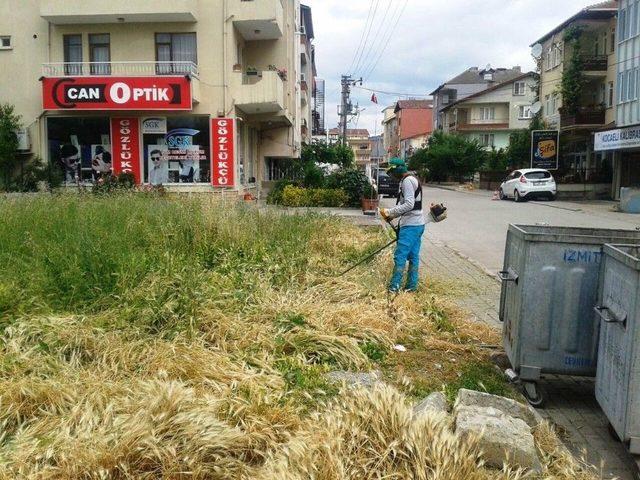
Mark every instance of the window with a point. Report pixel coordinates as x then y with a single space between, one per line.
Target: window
596 46
621 87
554 103
176 52
72 54
547 107
445 99
487 139
612 41
633 20
487 113
524 112
602 94
539 175
631 85
5 42
519 88
605 35
182 154
100 54
80 147
622 25
610 92
548 58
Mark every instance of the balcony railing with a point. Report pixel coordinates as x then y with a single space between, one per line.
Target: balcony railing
584 116
466 127
126 69
595 63
258 19
263 93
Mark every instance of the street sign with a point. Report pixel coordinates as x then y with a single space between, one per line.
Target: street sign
545 149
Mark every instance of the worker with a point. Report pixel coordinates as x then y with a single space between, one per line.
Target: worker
411 223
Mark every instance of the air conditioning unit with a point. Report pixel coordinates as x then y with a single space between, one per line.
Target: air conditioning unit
303 30
303 77
24 141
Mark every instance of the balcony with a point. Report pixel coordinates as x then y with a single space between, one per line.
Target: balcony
264 94
258 19
124 69
585 116
475 127
118 11
595 63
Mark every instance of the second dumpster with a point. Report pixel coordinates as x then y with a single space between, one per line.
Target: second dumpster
549 289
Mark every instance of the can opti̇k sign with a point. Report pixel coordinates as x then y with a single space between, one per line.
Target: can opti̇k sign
222 152
125 146
117 93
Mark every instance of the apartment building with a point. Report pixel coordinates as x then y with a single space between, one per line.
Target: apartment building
623 142
390 135
415 125
197 95
358 140
491 115
593 31
467 83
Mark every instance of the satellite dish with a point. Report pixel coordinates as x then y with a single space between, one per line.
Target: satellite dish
536 107
536 51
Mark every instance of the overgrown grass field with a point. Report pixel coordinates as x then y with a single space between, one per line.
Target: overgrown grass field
146 337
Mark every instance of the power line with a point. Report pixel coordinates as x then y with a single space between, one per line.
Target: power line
360 44
382 33
393 93
386 45
364 46
372 49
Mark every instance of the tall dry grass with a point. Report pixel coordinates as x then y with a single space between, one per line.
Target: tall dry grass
145 337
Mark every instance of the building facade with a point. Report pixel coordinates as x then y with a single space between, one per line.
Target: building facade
491 115
414 125
623 142
193 94
593 32
390 134
358 140
467 83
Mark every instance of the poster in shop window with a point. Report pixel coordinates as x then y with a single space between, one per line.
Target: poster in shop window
545 149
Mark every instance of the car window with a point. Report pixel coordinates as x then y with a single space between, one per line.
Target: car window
541 175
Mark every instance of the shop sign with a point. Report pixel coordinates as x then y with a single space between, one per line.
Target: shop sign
117 93
125 148
617 139
545 149
222 152
155 125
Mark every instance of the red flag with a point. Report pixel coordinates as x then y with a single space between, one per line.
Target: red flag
374 99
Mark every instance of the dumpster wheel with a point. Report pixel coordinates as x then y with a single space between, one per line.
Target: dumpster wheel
532 394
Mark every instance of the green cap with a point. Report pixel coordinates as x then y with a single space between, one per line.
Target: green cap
397 166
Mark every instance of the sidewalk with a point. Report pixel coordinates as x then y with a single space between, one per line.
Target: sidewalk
571 403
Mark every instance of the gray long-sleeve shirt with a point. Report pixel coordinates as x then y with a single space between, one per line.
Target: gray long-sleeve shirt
404 210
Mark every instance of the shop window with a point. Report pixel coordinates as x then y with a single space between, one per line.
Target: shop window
72 54
100 54
179 155
80 148
176 53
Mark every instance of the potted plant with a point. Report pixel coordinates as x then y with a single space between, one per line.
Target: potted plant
252 71
237 67
370 201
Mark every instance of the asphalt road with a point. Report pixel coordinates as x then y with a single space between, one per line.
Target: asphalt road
477 226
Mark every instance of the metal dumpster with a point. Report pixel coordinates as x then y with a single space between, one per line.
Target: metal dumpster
618 377
549 288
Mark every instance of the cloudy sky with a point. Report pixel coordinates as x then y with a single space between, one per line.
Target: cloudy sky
432 41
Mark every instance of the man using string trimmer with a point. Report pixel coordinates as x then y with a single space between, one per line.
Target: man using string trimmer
411 226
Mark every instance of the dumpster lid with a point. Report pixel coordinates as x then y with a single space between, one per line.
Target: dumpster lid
627 254
595 236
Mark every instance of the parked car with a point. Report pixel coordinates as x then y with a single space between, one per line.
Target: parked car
387 185
528 183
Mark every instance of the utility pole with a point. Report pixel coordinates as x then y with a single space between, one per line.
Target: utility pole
346 107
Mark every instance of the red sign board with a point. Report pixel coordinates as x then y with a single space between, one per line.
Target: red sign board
125 146
222 152
117 93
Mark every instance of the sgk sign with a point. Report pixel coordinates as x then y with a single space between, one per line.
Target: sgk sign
117 93
223 152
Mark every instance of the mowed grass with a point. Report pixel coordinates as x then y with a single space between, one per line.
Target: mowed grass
146 337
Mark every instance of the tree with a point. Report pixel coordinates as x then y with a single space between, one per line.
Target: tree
449 156
573 79
331 154
519 150
10 123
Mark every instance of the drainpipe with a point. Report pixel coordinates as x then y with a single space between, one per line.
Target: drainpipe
224 55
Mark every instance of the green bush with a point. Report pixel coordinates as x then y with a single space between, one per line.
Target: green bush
115 183
293 196
275 195
354 183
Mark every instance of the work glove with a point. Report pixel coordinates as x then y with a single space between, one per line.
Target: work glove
384 213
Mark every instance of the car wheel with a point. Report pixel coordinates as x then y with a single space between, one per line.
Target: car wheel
501 195
516 196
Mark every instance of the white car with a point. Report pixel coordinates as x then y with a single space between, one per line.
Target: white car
528 183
